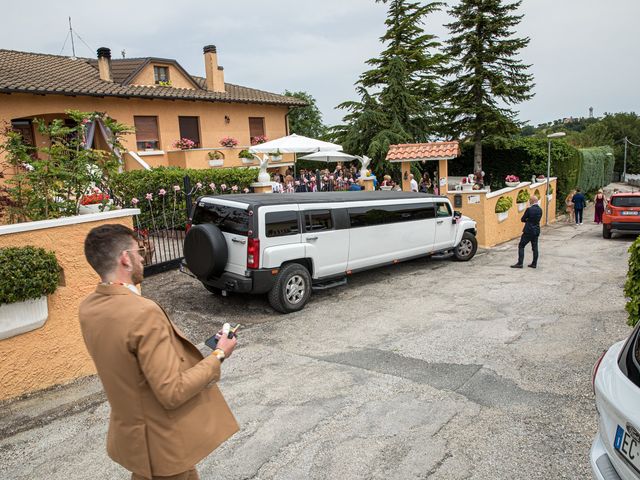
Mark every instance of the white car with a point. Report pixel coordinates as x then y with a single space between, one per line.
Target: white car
288 245
615 453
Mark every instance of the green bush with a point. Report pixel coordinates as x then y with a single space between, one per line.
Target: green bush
504 204
136 184
632 285
523 196
27 273
596 168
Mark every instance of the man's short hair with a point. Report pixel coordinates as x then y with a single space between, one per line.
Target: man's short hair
103 246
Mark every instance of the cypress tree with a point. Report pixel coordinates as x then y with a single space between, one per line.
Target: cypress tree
400 93
486 76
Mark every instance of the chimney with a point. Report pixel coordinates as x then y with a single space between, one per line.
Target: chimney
215 73
104 64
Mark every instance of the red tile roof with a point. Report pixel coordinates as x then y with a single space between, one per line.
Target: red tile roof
408 152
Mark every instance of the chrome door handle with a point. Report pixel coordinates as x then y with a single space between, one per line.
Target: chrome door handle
237 240
312 238
439 221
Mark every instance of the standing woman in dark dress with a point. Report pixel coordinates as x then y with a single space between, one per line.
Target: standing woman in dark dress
600 203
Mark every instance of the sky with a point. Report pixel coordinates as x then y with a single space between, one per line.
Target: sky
584 53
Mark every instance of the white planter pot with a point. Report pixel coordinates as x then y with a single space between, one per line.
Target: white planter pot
21 317
95 208
467 187
248 161
275 158
522 206
502 216
216 163
550 197
512 184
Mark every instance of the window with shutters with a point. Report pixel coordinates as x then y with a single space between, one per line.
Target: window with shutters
190 128
147 137
256 128
161 74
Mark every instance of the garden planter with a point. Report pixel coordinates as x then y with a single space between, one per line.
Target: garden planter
248 161
216 163
522 206
276 158
512 184
550 197
95 208
502 216
21 317
467 187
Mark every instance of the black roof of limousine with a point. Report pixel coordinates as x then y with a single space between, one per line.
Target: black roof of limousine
261 199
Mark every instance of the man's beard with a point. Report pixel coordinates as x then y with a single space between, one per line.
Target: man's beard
137 275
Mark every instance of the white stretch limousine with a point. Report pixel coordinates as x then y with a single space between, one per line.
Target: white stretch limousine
285 245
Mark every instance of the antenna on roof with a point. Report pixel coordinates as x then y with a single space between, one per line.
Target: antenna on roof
73 46
124 53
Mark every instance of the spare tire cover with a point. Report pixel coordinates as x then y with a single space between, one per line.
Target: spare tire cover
205 250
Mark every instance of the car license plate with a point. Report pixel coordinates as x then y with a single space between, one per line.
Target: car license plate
628 447
630 212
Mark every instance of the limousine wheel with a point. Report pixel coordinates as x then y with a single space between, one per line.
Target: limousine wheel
205 250
291 290
467 247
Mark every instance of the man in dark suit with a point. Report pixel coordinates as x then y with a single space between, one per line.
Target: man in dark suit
579 202
530 232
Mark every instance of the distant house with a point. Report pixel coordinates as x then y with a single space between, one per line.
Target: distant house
156 95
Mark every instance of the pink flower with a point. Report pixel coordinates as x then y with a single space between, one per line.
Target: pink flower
305 180
234 188
297 182
162 192
96 190
212 186
223 187
85 121
246 190
198 185
134 201
331 177
149 196
176 188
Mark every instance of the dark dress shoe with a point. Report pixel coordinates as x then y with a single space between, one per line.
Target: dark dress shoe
532 266
517 265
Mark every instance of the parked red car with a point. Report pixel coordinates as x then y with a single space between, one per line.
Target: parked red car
622 214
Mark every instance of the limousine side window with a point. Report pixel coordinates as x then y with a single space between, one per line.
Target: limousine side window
383 214
280 224
318 220
443 209
227 219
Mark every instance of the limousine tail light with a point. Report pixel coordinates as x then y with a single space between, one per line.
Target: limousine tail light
253 253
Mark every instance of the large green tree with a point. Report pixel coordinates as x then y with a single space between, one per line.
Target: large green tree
399 95
306 120
485 76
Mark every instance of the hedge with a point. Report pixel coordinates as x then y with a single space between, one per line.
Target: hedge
27 273
632 285
136 184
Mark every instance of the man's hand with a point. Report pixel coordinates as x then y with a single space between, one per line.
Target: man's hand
227 345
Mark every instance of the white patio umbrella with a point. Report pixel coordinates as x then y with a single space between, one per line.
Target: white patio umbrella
329 156
294 144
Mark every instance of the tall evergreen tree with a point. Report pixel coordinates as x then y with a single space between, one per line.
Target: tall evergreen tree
400 93
485 75
307 120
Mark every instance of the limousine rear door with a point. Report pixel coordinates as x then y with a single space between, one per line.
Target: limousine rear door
325 243
445 228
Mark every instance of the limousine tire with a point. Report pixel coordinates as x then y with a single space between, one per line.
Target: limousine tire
467 247
205 250
291 290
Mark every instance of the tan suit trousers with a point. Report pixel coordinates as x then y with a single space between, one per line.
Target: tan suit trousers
190 475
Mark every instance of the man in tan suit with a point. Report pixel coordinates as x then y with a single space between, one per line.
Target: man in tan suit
166 414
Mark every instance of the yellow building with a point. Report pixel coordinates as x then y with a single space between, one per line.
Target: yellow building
156 95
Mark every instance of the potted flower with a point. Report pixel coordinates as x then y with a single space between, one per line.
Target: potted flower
215 159
258 139
466 185
229 142
522 199
246 157
95 202
184 144
550 192
512 180
502 208
27 276
276 156
541 179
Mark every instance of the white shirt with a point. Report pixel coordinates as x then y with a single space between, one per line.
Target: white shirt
414 185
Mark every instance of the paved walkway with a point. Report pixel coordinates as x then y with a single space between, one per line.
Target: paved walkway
429 369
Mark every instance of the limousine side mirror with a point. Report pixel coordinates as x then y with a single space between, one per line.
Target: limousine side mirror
456 217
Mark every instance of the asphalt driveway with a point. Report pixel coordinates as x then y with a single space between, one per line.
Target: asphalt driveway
429 369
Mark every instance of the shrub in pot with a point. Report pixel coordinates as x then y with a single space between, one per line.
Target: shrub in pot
522 199
246 156
27 276
502 207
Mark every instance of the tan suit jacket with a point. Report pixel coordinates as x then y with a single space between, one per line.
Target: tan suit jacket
165 417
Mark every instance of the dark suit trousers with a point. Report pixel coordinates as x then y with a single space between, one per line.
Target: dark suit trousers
578 212
524 239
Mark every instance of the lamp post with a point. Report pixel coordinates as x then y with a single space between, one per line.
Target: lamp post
550 136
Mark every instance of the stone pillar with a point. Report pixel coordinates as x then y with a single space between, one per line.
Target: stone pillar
366 184
444 173
262 187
